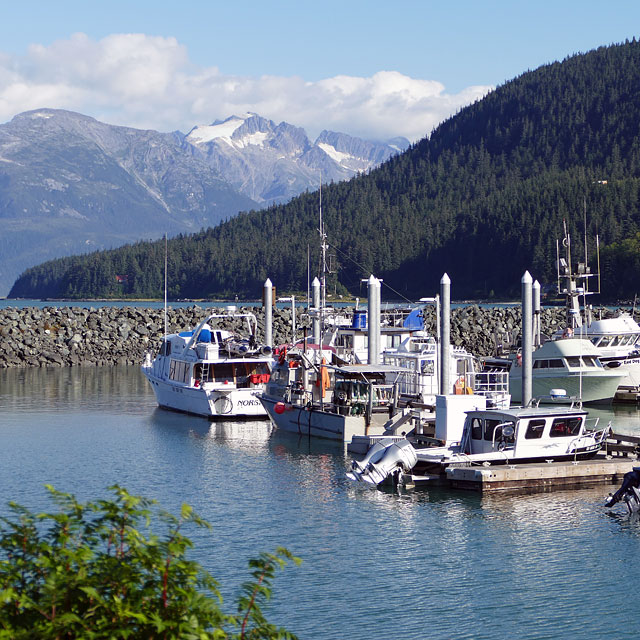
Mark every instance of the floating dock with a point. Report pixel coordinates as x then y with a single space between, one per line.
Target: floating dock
627 395
540 477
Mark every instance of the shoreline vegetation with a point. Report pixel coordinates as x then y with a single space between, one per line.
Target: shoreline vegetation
97 570
80 336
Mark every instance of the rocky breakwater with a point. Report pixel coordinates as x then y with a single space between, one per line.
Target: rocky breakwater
76 336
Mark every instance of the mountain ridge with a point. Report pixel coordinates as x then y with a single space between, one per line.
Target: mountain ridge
484 198
71 184
270 162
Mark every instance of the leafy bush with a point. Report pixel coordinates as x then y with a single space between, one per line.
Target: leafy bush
96 570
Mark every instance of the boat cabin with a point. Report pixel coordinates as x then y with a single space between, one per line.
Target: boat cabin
533 432
360 389
418 358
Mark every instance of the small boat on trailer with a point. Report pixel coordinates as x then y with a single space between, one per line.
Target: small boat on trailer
482 436
212 372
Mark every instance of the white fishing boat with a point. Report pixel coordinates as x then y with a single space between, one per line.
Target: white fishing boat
360 400
210 371
490 436
569 364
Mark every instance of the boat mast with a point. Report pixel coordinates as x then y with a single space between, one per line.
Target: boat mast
585 290
323 297
323 278
165 285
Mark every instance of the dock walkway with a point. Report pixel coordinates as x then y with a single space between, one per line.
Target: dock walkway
540 477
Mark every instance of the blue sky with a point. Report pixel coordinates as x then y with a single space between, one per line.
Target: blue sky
374 69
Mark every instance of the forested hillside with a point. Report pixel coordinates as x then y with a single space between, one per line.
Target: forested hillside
483 198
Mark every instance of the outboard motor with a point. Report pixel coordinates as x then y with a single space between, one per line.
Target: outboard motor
629 491
384 460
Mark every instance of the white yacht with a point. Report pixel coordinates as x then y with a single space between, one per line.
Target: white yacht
617 340
571 365
211 372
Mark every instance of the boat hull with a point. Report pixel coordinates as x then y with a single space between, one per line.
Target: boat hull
211 404
629 365
599 388
317 423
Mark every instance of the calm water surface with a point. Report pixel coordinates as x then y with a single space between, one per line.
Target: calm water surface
427 564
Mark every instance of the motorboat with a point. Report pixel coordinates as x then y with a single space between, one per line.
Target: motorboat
496 436
418 359
211 371
617 342
572 365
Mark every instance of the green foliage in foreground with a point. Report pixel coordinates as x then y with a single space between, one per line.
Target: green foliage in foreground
96 570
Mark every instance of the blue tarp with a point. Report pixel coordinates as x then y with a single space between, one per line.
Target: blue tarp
414 321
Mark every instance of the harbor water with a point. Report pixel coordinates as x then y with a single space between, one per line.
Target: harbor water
423 564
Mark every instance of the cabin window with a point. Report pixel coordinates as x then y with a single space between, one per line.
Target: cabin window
563 427
573 361
393 341
534 429
606 341
616 341
165 349
476 429
556 363
180 371
462 367
589 361
540 364
428 367
493 430
595 340
222 372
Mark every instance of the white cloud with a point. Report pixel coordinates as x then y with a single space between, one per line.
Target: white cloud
148 82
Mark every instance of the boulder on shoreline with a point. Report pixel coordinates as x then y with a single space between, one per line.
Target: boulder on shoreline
78 336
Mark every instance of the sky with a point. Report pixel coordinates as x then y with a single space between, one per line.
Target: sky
374 69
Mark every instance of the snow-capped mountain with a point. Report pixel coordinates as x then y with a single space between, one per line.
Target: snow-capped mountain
271 162
71 184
